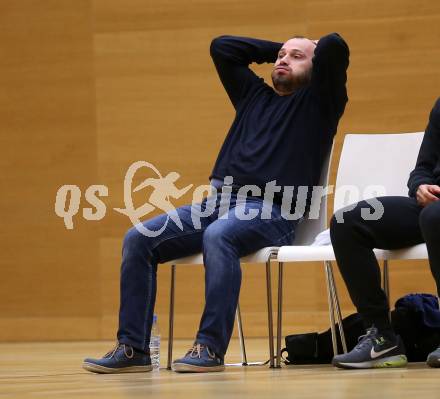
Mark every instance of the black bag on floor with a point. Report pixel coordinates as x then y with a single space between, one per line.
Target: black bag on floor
315 348
416 318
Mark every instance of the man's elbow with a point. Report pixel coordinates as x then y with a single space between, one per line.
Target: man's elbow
333 43
218 44
434 116
338 41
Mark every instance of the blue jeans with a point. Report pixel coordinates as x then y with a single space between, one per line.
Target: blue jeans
222 237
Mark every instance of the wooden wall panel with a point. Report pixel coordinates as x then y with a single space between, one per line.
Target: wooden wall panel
50 279
91 86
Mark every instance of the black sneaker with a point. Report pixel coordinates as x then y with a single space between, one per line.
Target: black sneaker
199 359
374 350
434 358
122 359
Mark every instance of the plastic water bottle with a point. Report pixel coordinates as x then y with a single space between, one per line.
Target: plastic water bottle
155 344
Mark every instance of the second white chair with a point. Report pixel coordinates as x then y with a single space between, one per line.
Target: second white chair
370 165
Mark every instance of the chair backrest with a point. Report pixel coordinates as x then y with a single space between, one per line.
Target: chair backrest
374 165
308 229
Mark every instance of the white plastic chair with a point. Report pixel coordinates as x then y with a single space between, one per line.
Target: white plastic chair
390 159
264 255
382 160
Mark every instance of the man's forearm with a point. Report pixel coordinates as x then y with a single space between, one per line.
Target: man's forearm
243 50
232 56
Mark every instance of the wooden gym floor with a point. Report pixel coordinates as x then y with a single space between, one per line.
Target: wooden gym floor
53 370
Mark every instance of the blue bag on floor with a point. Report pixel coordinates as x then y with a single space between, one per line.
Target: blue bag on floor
416 318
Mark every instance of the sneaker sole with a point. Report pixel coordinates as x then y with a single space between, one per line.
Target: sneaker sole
433 362
95 368
189 368
386 362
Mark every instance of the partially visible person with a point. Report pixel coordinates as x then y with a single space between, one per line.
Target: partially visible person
406 221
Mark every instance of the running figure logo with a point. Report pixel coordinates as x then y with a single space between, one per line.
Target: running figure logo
164 188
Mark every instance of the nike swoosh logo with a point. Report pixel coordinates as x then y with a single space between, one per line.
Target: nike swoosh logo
375 354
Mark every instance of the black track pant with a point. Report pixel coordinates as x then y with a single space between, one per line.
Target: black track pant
403 223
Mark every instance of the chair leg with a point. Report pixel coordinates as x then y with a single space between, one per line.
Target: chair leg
171 318
279 314
337 308
241 336
331 308
269 313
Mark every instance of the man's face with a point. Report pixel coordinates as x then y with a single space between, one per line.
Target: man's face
293 67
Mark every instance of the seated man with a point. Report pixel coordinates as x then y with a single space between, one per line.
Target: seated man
279 135
406 221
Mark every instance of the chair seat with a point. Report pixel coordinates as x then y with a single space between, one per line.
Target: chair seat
261 256
415 252
189 260
305 253
309 253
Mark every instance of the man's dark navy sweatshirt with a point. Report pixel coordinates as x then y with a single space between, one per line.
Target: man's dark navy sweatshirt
273 137
427 170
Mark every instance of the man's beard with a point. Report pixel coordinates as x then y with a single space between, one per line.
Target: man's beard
290 83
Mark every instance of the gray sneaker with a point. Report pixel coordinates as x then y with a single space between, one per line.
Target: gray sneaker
434 358
373 351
